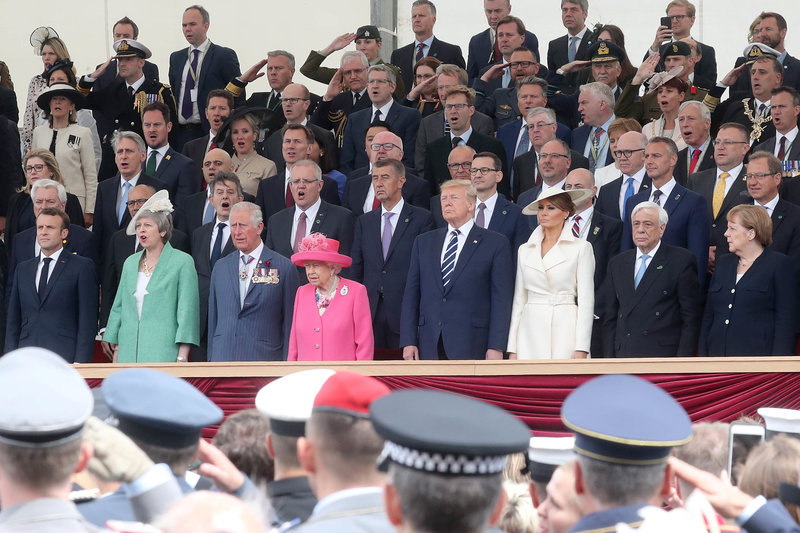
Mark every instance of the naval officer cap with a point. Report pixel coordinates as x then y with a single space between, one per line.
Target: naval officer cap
754 52
287 401
545 454
45 401
442 433
349 393
777 421
131 48
625 420
158 408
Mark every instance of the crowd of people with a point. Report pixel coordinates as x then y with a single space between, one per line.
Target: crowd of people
426 208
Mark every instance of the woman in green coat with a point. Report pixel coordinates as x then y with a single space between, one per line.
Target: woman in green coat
154 318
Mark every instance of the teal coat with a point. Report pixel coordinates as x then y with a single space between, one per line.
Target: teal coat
170 314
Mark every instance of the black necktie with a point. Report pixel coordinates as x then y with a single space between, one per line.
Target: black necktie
456 140
43 275
356 98
130 90
53 143
377 116
216 250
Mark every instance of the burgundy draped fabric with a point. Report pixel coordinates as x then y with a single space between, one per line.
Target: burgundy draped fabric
537 399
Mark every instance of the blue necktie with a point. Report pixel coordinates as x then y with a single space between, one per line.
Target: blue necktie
640 272
123 203
216 250
449 262
628 194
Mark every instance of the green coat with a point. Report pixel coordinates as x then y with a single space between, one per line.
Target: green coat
170 313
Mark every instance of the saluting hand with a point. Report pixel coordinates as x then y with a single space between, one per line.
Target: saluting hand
101 69
253 73
731 77
338 43
646 69
334 87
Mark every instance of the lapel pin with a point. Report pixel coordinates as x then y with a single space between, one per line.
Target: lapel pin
780 217
505 212
474 242
645 186
406 221
596 230
168 157
660 267
677 196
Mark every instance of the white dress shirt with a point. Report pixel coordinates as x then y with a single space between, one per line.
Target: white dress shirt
791 135
462 238
226 234
195 118
255 254
665 189
639 254
490 203
311 215
160 153
637 184
55 255
392 220
733 176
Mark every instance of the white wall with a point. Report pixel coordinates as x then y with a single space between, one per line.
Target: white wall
253 27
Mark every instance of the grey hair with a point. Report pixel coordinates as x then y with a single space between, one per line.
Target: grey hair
617 485
533 80
601 91
428 3
439 504
255 212
672 148
551 115
390 75
583 3
46 184
162 219
282 53
230 177
125 134
705 114
663 216
354 54
453 70
309 163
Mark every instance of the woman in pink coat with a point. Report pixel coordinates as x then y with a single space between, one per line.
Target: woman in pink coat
332 320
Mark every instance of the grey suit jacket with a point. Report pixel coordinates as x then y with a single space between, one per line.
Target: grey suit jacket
353 514
45 515
432 127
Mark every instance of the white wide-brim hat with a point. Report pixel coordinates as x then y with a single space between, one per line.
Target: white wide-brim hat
577 196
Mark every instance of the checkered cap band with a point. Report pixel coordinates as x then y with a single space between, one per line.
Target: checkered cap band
443 463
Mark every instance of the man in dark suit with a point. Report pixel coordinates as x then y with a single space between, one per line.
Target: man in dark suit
785 107
540 128
121 102
212 241
694 120
216 64
162 162
457 300
604 234
359 194
403 120
110 212
219 106
688 211
53 301
723 187
633 179
295 101
198 209
483 49
554 164
308 214
515 63
572 46
503 103
250 320
770 31
654 307
382 249
123 246
423 17
596 106
459 108
435 125
274 193
48 193
337 104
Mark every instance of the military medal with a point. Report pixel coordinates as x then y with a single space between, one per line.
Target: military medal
272 276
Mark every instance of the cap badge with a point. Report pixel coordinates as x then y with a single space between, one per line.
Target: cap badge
123 45
755 52
675 48
603 50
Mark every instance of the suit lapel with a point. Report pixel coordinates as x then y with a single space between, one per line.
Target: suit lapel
675 197
208 59
595 228
470 245
654 270
400 228
57 270
499 214
319 220
737 187
778 215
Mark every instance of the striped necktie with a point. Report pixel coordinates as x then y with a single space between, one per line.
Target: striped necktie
449 262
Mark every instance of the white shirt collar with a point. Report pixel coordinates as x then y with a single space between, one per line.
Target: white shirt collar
202 46
427 42
384 109
791 135
132 181
138 83
651 253
733 173
579 35
559 185
638 177
255 254
665 189
769 205
464 136
311 212
464 229
161 151
54 256
396 209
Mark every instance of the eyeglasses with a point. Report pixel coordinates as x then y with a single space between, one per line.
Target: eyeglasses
483 171
386 146
759 176
552 156
304 182
466 165
719 142
448 107
31 168
538 125
678 17
626 153
293 100
523 64
134 203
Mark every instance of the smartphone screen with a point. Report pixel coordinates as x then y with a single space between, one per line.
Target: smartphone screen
740 446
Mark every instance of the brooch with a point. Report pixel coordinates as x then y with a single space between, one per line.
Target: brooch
343 292
596 230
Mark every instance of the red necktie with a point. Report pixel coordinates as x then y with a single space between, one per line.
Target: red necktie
289 197
576 227
496 51
782 151
695 159
420 52
212 146
375 203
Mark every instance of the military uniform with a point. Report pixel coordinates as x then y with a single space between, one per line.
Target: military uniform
359 512
45 515
291 499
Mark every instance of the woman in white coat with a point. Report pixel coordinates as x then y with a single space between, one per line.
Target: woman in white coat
553 309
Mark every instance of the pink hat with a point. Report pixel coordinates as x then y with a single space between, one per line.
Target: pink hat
317 247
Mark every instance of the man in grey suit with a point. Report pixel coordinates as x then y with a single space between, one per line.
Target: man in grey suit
251 298
339 451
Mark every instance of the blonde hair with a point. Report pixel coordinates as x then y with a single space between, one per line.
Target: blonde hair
771 463
50 162
519 515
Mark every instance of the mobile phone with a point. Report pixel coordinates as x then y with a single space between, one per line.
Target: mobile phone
742 439
666 21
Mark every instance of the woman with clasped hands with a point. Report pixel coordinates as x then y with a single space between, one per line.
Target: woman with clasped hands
155 317
751 307
553 309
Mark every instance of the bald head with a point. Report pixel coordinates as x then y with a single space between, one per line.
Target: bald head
581 178
215 161
138 196
385 151
630 147
460 155
211 512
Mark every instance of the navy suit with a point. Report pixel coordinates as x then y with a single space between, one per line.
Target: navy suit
608 197
219 66
480 51
415 190
404 58
525 166
436 171
179 175
385 279
64 319
681 172
558 56
659 318
259 329
273 147
509 134
432 127
757 315
688 225
404 122
271 195
580 136
191 215
473 312
105 208
703 183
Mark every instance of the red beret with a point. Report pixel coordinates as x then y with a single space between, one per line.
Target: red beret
349 393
